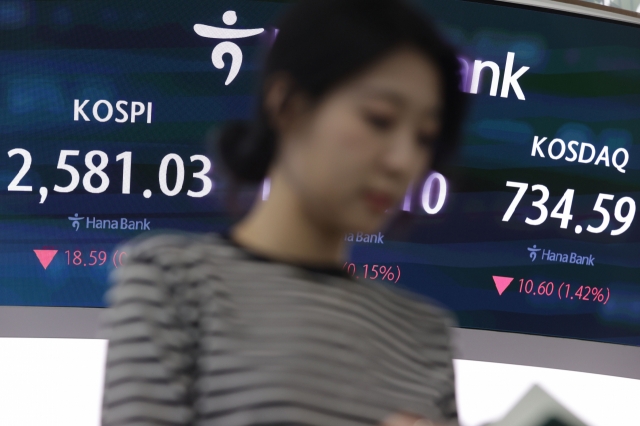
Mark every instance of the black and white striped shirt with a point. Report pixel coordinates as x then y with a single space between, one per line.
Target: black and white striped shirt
203 333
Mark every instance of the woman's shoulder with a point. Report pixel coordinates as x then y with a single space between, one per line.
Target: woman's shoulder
168 249
163 259
158 267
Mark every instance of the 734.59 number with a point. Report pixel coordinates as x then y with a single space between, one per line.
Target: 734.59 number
562 210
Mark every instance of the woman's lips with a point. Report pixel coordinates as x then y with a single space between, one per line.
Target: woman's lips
379 202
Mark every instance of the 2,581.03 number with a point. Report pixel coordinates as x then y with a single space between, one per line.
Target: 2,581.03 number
98 170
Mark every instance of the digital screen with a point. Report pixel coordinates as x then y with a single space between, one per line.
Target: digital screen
107 109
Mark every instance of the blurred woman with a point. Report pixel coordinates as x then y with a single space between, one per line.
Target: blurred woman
262 326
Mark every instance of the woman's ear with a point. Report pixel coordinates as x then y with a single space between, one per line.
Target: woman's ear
283 104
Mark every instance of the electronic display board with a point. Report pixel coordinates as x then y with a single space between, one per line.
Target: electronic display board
107 109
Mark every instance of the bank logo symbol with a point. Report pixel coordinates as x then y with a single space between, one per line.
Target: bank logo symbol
75 221
533 252
229 18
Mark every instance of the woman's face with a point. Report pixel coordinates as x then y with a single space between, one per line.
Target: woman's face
351 157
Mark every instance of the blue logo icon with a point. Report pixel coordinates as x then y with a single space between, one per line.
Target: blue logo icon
75 221
533 252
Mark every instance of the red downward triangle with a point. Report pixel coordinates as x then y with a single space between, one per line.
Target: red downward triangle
45 256
502 283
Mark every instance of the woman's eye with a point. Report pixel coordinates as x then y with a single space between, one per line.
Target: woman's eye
380 122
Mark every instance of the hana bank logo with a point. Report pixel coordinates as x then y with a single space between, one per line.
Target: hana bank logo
551 256
75 221
229 18
123 224
533 252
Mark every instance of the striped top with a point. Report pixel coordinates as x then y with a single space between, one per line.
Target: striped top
203 333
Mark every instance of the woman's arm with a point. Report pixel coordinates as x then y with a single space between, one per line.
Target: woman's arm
150 360
447 403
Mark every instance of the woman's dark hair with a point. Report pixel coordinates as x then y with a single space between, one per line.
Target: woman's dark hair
320 44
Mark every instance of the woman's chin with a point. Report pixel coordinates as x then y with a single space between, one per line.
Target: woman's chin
367 227
366 221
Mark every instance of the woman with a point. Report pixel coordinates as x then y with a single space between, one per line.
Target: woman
360 98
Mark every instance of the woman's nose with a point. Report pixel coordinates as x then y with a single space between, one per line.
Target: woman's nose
403 155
